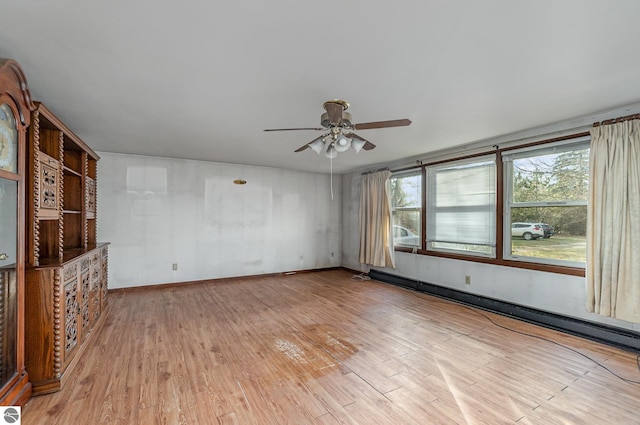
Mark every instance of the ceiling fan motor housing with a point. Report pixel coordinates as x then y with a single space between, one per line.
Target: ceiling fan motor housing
345 122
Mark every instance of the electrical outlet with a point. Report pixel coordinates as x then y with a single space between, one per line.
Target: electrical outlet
175 266
467 280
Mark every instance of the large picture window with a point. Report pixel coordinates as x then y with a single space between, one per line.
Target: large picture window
545 204
406 207
461 206
452 207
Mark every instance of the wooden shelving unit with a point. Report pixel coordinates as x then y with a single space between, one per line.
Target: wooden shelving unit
66 277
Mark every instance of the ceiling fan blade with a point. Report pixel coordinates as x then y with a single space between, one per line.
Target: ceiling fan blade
293 129
334 112
367 144
308 145
381 124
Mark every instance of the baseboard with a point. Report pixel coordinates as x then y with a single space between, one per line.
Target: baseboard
169 285
610 335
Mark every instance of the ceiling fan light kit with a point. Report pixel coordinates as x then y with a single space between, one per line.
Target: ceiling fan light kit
340 136
342 144
357 145
317 145
331 152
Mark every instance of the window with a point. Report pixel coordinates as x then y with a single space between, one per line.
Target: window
406 208
451 207
546 191
461 206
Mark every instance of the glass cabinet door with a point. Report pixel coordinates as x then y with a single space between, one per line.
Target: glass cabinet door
8 278
8 244
8 140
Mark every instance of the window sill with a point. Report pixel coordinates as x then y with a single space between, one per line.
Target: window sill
550 268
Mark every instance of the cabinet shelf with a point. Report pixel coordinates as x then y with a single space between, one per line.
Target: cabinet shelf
69 255
68 170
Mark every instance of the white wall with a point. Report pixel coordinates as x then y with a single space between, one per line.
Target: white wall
160 211
552 292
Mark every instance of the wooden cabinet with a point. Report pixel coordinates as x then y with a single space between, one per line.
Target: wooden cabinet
66 303
66 278
15 108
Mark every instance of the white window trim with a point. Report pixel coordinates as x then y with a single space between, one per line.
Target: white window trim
418 208
431 242
507 158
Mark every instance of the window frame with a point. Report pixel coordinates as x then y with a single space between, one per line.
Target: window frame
432 211
499 259
409 172
509 204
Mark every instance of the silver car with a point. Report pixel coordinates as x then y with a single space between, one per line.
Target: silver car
404 236
527 231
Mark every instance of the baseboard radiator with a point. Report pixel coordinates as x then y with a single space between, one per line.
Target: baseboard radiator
621 338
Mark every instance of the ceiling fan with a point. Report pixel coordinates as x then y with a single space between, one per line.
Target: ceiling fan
338 128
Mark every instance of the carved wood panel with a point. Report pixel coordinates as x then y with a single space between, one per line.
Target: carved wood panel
105 280
49 188
86 318
71 316
95 305
95 271
90 197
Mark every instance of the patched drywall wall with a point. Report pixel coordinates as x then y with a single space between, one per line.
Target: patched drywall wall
161 212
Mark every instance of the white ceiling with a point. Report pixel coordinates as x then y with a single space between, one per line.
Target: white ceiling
201 79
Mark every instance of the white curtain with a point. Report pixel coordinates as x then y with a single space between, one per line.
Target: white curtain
613 221
376 242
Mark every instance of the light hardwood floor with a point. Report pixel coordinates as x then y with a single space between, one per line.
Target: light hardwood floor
321 348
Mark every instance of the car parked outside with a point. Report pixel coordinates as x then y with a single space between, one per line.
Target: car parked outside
404 236
527 231
548 229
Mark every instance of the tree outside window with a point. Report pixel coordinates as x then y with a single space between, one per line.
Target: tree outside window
406 205
548 187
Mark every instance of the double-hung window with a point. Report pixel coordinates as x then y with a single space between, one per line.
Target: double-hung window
406 205
545 205
461 206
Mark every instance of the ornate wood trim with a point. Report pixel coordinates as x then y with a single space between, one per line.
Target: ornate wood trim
85 211
35 255
105 277
95 199
61 198
14 83
57 323
85 284
3 284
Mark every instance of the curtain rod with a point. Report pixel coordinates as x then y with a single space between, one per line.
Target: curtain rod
617 120
376 170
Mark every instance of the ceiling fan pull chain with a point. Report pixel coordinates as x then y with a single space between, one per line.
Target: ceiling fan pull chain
331 177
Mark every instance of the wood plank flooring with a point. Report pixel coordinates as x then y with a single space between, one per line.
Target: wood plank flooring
322 348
